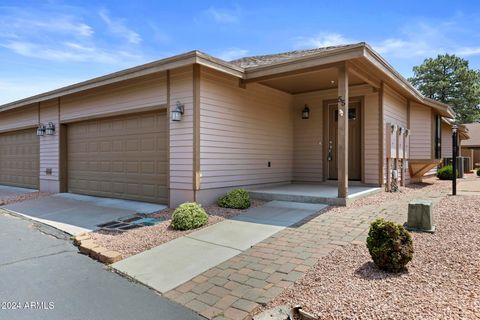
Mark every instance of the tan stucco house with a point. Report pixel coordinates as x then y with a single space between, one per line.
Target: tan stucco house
337 113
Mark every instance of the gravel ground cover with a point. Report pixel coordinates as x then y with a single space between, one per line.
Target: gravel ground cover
22 197
442 281
138 240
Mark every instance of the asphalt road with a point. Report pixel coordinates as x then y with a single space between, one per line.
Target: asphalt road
42 276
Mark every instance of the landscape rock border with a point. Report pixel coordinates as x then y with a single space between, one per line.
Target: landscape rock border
87 245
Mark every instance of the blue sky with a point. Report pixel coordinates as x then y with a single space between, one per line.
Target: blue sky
48 44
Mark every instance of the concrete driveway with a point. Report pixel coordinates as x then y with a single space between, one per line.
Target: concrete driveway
40 267
75 214
8 191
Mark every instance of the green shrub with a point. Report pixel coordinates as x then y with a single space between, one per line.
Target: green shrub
445 173
189 215
235 199
390 245
478 172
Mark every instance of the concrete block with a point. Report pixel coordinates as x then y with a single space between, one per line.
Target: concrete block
420 216
78 239
95 252
87 246
109 257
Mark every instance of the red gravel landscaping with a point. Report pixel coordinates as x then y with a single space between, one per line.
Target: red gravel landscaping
442 281
138 240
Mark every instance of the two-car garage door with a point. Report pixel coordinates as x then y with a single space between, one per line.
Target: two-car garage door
19 158
121 157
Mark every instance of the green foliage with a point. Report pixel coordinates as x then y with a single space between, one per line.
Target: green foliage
445 173
478 172
189 215
390 245
235 199
448 79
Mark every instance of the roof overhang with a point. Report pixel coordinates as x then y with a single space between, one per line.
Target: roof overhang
360 51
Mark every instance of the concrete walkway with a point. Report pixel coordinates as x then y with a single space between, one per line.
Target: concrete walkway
173 263
235 288
75 214
469 187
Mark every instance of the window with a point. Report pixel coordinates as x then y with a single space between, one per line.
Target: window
438 137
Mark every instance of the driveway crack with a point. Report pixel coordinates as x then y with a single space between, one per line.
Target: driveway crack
35 257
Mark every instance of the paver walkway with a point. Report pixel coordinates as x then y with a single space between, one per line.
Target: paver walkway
173 263
235 288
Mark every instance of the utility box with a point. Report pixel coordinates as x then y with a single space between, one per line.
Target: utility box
420 216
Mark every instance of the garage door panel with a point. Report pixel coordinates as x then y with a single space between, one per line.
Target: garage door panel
123 157
19 158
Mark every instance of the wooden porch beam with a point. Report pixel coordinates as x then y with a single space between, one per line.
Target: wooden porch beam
342 134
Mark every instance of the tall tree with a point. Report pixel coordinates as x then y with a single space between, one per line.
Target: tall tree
448 79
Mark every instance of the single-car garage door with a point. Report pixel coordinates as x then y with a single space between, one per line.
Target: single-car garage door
19 158
119 157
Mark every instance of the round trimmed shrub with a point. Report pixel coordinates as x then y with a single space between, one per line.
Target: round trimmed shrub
445 173
235 199
189 215
390 245
478 172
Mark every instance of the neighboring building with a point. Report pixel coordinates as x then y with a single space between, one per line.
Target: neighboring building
242 126
471 147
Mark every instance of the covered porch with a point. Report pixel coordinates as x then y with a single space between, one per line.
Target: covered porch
326 192
337 134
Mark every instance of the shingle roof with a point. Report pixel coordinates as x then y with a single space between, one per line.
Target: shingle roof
255 61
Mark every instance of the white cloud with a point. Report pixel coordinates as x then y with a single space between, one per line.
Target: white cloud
232 54
69 51
118 27
323 39
224 15
468 51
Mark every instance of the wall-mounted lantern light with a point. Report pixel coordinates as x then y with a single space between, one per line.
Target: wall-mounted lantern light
178 112
50 129
41 130
306 112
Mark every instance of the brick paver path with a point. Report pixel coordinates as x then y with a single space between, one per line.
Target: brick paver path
235 288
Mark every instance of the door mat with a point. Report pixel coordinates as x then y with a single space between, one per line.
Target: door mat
128 223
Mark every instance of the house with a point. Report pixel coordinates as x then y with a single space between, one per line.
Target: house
336 113
471 147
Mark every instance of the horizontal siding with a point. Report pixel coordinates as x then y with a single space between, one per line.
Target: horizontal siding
372 149
395 111
241 130
308 134
181 132
115 99
447 149
19 119
50 145
420 131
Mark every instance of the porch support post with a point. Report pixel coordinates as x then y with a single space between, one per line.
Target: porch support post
342 144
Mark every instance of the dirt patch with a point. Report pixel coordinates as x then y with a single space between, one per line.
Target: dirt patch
442 281
138 240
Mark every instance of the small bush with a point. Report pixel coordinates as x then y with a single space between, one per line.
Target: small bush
189 215
445 173
235 199
478 172
390 245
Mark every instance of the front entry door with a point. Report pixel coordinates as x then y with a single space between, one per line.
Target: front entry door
354 141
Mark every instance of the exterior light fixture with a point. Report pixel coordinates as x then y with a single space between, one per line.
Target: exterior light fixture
177 114
306 112
341 101
407 132
41 130
50 129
